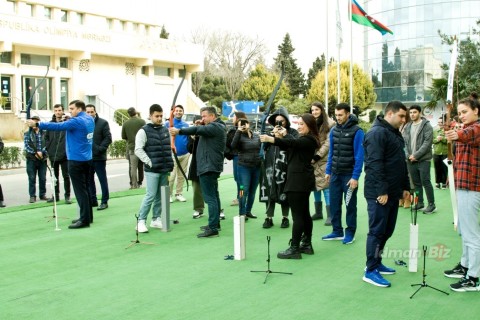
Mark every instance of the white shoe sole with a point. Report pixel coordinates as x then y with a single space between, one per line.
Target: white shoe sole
374 283
330 239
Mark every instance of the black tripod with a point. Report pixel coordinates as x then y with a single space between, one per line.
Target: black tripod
136 241
268 271
424 284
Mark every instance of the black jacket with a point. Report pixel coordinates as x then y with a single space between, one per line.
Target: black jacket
300 176
385 166
102 138
55 144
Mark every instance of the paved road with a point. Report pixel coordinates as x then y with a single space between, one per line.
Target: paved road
15 182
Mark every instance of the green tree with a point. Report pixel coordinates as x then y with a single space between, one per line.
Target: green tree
294 77
213 91
298 106
260 84
467 72
317 66
363 94
163 33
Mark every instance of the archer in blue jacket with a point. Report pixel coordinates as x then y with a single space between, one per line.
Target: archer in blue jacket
79 139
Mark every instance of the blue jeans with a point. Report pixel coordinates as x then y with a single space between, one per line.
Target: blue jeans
235 172
317 195
248 178
98 167
209 185
338 191
381 224
154 183
468 210
34 168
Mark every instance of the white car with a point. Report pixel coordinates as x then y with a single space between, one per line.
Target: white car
293 118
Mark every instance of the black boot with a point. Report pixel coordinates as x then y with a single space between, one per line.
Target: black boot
328 222
318 211
306 245
293 252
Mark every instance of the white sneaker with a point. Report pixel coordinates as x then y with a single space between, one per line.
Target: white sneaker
197 214
156 223
171 199
222 215
180 198
141 227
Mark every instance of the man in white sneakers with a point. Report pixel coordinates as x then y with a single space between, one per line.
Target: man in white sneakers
152 147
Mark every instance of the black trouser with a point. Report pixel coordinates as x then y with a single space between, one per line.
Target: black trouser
299 203
441 170
66 177
79 171
1 193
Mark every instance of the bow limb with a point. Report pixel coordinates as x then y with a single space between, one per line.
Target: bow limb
268 108
30 100
171 125
449 108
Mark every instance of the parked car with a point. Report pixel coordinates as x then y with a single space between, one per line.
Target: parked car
188 118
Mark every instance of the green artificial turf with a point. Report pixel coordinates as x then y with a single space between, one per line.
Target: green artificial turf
88 273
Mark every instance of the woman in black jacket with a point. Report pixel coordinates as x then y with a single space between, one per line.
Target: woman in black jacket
299 183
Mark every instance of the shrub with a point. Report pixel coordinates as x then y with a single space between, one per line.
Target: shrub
118 149
11 157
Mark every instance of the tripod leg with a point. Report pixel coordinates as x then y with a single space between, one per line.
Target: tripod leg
420 287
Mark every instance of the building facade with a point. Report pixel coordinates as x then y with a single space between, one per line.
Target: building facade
403 65
113 58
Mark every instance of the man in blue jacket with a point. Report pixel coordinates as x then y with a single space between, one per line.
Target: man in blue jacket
211 145
181 143
386 176
344 166
79 153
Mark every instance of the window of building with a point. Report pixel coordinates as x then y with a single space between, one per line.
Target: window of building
63 15
6 57
145 70
79 17
64 92
29 9
109 23
181 73
161 71
34 59
47 13
12 6
64 62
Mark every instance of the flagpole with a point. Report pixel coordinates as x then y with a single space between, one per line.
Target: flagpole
326 62
351 57
338 57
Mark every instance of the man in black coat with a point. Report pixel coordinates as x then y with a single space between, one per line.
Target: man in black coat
102 138
386 181
56 148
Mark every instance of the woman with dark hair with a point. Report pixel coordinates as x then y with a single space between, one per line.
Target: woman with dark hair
467 183
319 162
231 153
300 181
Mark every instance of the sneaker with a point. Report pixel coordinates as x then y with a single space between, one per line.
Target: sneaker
419 206
141 227
374 277
458 272
222 215
385 270
268 223
180 198
348 239
171 199
430 209
333 236
285 223
208 233
156 223
44 198
32 199
234 202
197 214
68 200
466 284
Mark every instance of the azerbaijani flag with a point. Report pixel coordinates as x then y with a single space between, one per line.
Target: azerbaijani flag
361 17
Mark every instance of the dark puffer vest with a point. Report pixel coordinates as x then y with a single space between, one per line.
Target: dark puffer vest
343 158
158 149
